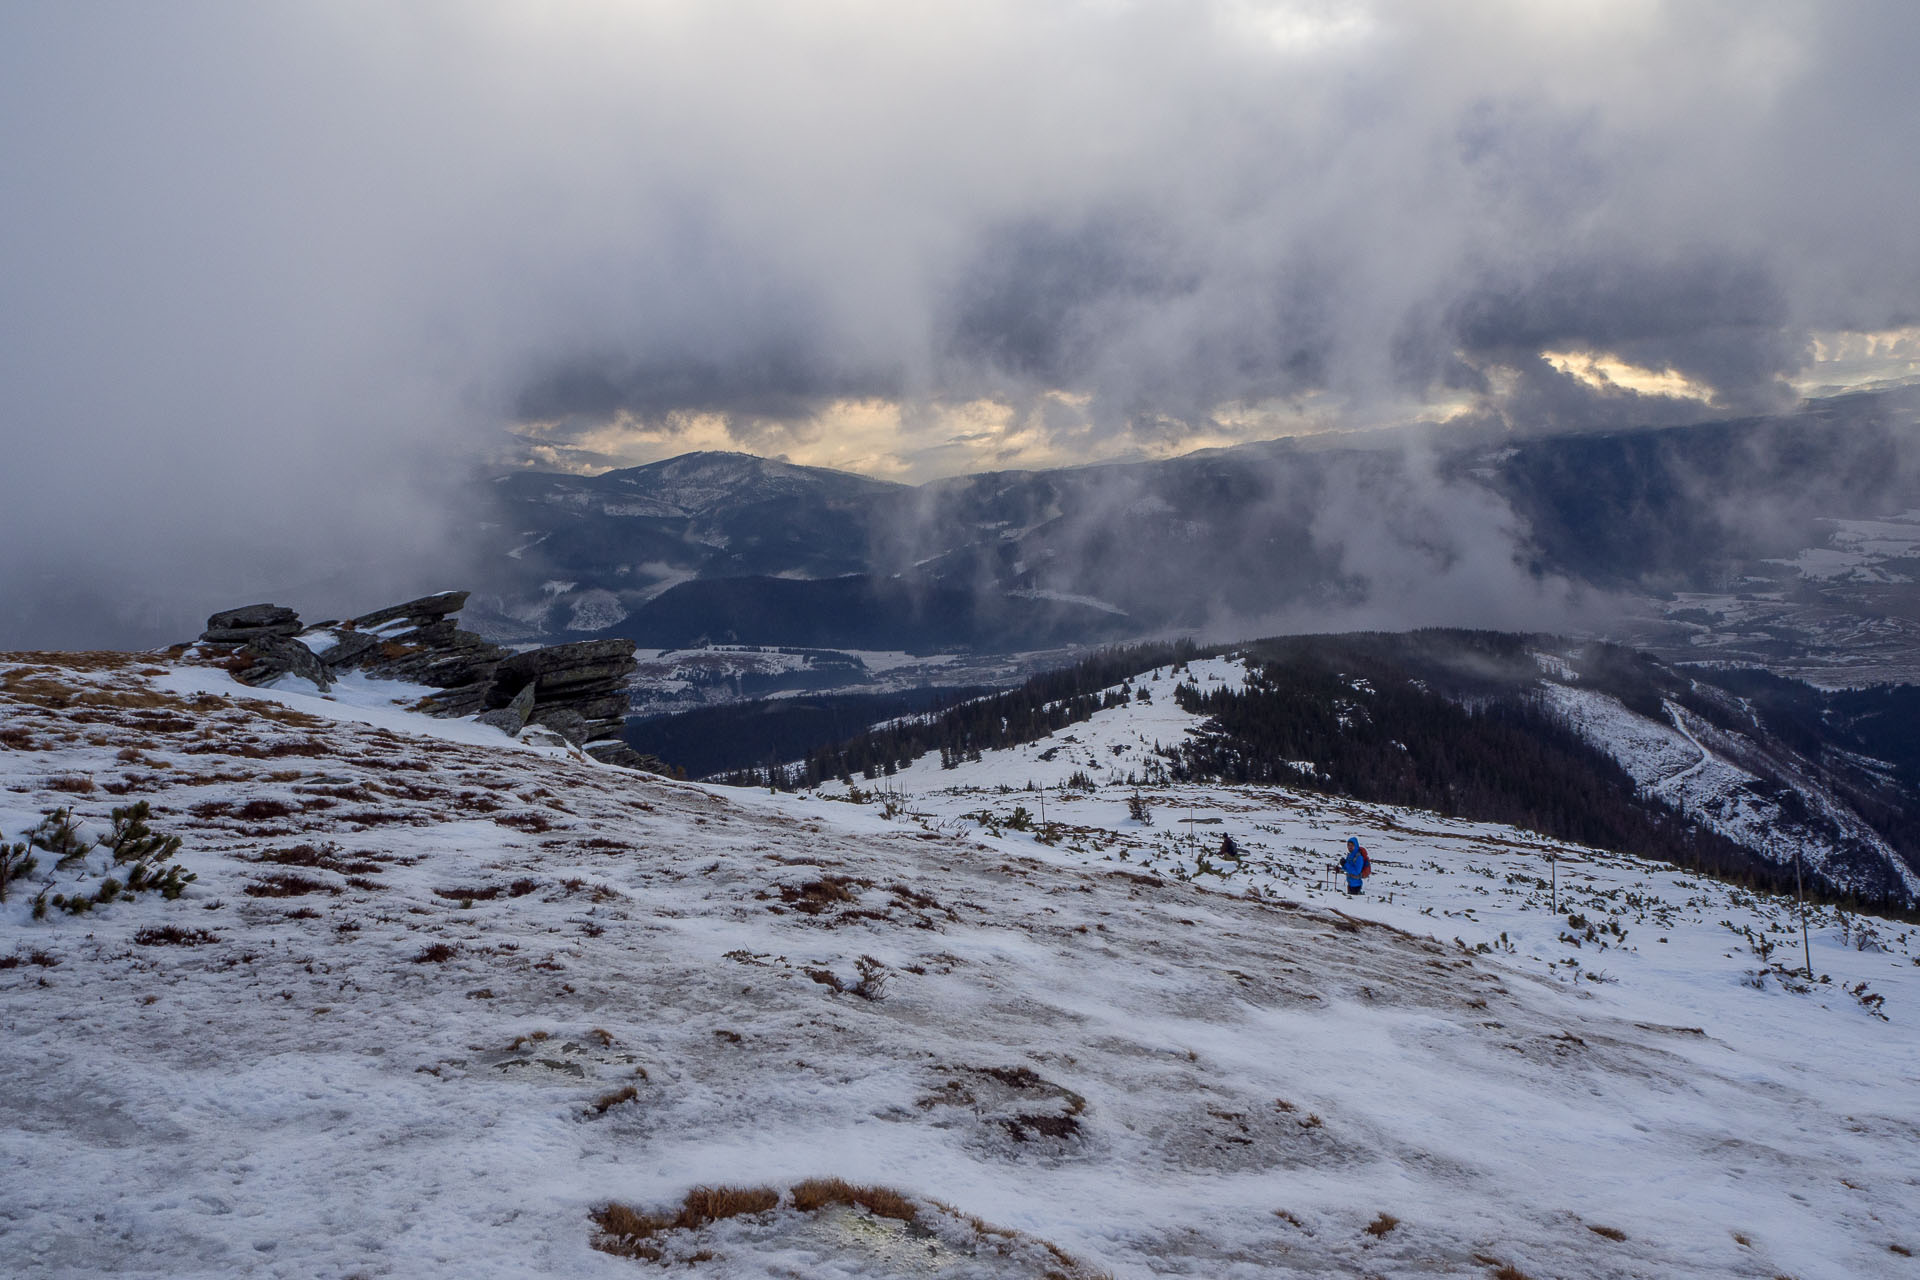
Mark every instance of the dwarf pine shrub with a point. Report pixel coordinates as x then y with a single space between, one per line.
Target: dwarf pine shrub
132 840
16 860
59 834
141 860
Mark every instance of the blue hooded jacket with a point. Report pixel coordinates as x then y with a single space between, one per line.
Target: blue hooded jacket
1354 863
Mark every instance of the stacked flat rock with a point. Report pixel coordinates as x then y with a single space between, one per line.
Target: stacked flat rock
577 691
252 622
262 639
418 642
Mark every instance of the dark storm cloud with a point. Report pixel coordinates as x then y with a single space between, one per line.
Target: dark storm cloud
272 277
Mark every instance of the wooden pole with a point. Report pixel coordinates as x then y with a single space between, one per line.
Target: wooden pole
1554 862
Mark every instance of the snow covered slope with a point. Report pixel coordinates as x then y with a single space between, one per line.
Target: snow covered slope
1690 764
436 999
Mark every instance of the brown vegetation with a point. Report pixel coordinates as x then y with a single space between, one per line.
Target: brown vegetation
174 936
883 1202
816 896
631 1233
607 1101
289 885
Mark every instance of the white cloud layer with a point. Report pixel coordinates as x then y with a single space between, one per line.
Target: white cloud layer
271 276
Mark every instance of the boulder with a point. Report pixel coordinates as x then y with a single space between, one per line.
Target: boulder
426 609
565 721
275 656
511 718
249 622
349 647
540 735
616 752
560 665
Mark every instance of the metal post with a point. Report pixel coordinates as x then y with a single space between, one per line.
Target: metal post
1806 948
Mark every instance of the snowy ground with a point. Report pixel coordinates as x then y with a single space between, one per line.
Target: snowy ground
442 996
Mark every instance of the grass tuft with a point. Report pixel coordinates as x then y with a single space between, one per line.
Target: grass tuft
174 936
1611 1233
712 1204
1381 1225
817 1193
625 1232
607 1101
289 885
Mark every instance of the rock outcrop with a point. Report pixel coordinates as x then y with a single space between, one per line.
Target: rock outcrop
577 691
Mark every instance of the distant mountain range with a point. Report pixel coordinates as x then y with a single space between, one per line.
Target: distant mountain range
1792 542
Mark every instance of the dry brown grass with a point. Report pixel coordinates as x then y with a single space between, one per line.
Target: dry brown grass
479 893
712 1204
607 1101
72 784
628 1232
289 885
275 712
1611 1233
816 896
57 690
1381 1225
326 857
80 660
625 1232
1507 1271
174 936
438 953
817 1193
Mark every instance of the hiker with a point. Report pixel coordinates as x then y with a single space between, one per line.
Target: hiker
1229 851
1357 865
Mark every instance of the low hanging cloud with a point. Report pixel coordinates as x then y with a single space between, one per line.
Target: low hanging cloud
276 278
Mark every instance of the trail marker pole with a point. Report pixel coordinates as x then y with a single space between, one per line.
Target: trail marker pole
1555 864
1806 948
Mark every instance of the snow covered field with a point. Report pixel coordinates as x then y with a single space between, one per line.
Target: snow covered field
435 998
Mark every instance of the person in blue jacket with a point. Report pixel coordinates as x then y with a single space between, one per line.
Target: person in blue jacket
1356 865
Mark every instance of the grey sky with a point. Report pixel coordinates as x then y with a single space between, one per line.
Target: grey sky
273 276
